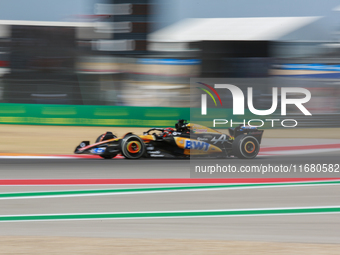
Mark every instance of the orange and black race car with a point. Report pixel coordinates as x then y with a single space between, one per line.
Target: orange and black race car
185 140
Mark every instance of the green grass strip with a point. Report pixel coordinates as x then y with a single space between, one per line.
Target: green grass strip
152 189
247 212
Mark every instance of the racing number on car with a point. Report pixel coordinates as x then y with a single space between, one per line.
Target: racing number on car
196 145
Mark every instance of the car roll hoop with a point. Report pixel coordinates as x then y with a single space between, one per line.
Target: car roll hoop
181 125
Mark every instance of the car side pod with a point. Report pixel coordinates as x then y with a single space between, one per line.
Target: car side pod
132 146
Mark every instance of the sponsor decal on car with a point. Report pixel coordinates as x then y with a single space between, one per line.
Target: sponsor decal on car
176 133
247 127
200 130
196 145
202 139
154 152
221 139
98 150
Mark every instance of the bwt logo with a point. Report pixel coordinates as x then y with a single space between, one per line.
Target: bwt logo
238 99
196 145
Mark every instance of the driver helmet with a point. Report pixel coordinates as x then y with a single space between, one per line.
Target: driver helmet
168 131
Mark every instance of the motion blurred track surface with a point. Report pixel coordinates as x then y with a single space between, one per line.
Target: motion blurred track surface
132 169
316 228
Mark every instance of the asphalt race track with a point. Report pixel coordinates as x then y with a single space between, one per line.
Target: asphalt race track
142 168
307 212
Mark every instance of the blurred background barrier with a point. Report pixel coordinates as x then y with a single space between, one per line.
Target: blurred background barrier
96 67
130 116
85 115
316 121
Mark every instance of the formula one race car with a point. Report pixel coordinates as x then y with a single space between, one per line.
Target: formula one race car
185 140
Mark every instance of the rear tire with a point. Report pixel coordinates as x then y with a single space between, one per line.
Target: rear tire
132 147
245 147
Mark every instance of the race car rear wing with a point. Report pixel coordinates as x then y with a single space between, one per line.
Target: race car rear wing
249 130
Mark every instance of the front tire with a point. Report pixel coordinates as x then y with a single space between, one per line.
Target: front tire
109 156
108 135
103 137
245 147
132 147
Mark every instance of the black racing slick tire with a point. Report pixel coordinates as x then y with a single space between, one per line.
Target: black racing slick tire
106 136
108 156
132 147
245 147
98 139
103 137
